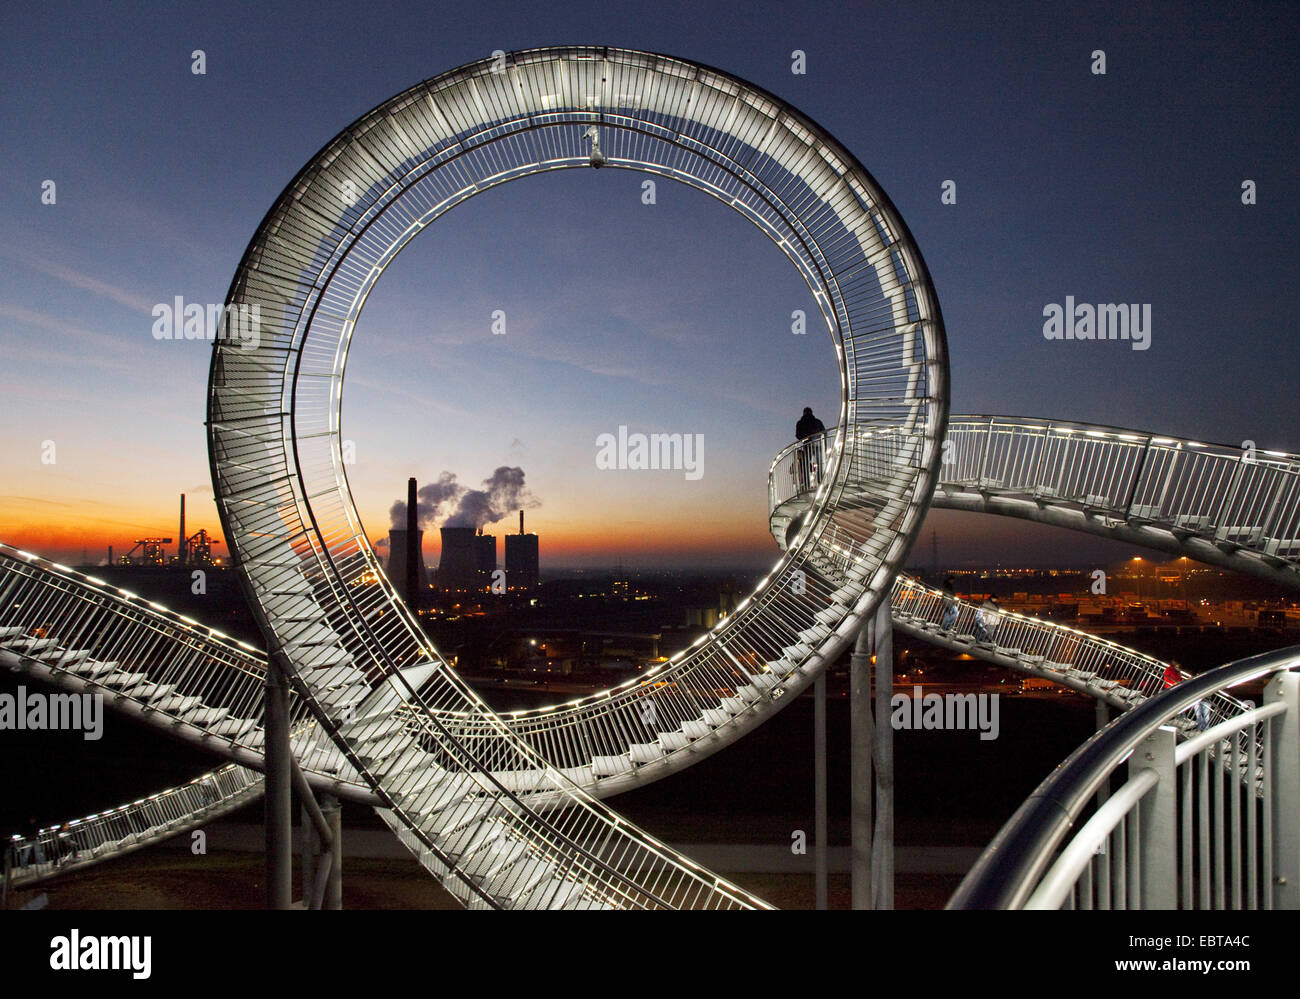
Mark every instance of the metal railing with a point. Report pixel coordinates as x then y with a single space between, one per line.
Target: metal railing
1213 822
1048 648
166 669
281 484
1236 496
76 844
1212 499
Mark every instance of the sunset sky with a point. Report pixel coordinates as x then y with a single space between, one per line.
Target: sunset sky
673 317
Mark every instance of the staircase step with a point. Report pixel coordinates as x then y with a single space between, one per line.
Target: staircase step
152 691
814 634
608 766
318 657
368 730
523 878
696 729
340 699
673 741
232 728
381 747
833 614
124 679
29 645
176 704
202 717
325 759
475 836
408 760
64 657
645 752
457 816
92 668
487 866
553 894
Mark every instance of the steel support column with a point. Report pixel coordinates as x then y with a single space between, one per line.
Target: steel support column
1285 750
310 845
882 846
333 809
861 738
1157 822
1102 710
279 798
819 788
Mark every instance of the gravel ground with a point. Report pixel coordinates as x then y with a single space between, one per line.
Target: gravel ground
234 880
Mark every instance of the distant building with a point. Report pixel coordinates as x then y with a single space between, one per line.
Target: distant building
522 571
458 567
485 557
397 561
521 562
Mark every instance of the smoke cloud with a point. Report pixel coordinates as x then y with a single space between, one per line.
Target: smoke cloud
502 494
429 502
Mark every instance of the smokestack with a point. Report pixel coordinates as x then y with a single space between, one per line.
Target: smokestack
180 549
412 547
521 521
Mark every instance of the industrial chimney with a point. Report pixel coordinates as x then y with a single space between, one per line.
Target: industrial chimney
413 558
181 548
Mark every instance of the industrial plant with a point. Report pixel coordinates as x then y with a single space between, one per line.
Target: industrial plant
192 550
468 561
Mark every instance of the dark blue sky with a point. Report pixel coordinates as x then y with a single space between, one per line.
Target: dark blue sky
1122 187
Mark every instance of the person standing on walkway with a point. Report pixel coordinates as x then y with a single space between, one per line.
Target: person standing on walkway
949 620
809 427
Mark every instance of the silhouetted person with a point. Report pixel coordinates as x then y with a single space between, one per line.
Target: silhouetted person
809 429
949 605
986 621
808 425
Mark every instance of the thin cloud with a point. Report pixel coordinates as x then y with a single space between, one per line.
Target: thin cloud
42 321
83 281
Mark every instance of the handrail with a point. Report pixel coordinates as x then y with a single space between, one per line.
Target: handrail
1013 863
110 833
1234 507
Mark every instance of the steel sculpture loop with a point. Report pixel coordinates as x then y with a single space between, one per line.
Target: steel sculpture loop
352 649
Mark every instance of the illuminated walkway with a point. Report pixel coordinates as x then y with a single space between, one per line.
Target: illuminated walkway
506 810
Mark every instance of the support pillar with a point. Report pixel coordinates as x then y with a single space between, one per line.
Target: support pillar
819 788
861 738
279 799
1283 776
882 847
1103 719
333 809
1157 821
310 843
